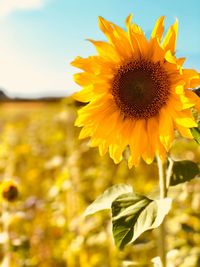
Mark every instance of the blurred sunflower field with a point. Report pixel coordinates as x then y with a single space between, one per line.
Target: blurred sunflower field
49 177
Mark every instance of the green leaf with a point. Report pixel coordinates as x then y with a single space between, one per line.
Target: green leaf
183 171
105 200
196 133
133 214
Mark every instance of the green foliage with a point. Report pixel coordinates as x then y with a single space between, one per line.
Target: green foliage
196 133
184 171
133 214
105 200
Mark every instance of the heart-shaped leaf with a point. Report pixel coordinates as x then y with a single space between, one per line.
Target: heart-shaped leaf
105 200
133 214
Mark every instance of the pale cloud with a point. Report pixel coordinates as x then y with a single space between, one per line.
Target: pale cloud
9 6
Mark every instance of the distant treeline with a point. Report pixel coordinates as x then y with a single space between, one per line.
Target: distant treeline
5 98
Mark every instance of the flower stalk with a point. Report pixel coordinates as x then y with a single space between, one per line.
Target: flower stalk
163 194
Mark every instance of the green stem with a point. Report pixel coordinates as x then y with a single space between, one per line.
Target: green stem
169 172
163 194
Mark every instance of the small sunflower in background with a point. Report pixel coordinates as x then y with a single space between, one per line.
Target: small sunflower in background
9 190
136 92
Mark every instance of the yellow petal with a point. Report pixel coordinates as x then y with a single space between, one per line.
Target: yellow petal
185 121
166 129
156 51
170 58
123 134
115 152
148 154
128 21
180 61
133 38
106 51
85 78
143 44
94 112
152 131
103 147
190 73
126 130
95 141
195 83
138 142
134 27
151 139
86 132
169 42
186 102
85 95
179 89
183 118
195 98
115 37
162 152
107 125
185 132
181 102
105 27
158 29
191 78
93 64
121 32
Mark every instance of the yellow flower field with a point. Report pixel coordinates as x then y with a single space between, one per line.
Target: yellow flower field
57 176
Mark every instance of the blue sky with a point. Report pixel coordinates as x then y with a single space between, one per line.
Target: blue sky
39 38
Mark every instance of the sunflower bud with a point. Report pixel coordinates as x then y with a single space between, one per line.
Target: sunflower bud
9 190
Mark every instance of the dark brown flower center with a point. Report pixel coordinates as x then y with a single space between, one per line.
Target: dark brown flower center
140 89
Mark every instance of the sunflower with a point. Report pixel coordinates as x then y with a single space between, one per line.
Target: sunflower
136 92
